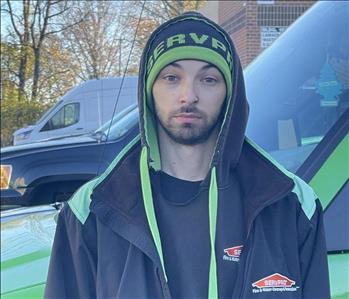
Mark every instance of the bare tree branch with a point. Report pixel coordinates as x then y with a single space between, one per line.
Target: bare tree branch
33 22
64 27
13 21
168 4
58 13
46 15
155 13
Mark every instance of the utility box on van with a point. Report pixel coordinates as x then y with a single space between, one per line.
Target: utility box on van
81 110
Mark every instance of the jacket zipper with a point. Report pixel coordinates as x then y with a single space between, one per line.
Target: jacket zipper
249 239
246 264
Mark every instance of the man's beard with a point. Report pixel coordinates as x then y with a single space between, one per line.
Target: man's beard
189 133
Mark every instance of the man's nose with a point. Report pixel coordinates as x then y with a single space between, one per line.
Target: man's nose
188 92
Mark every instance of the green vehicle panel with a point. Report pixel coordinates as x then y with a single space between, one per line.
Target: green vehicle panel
327 182
26 241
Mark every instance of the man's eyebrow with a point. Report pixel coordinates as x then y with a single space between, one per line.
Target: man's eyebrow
208 66
175 64
205 67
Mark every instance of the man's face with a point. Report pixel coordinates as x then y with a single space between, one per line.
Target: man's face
188 98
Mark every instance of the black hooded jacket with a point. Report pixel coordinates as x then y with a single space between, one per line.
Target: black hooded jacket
106 245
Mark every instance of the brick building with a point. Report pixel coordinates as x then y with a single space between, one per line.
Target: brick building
254 24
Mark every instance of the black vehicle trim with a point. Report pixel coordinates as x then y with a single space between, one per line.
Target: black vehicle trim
10 193
346 251
325 148
62 178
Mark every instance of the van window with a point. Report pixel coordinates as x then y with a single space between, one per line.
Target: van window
65 117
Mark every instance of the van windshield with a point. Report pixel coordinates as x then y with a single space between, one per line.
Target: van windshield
116 118
121 124
299 87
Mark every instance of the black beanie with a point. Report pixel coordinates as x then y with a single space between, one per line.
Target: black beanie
189 36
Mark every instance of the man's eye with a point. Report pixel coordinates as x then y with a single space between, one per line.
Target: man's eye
209 80
170 78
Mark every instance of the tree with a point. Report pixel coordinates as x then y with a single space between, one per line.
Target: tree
21 30
57 72
44 23
96 43
13 118
167 9
11 58
155 13
32 22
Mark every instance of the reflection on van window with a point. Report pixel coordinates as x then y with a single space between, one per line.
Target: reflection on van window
299 87
65 117
121 124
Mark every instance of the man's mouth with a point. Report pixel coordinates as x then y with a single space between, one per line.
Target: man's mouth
187 117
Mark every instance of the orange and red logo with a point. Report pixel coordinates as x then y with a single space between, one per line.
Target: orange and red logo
233 253
274 282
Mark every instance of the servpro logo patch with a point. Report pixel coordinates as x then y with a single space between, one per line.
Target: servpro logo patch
274 283
233 253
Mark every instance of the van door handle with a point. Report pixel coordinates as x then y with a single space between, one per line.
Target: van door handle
78 128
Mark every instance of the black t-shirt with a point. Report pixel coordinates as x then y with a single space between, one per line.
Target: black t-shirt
182 214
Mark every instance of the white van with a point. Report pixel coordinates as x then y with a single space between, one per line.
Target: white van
81 110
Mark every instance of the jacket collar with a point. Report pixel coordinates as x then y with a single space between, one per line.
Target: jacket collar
262 182
118 203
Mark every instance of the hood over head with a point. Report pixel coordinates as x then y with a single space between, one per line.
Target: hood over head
193 36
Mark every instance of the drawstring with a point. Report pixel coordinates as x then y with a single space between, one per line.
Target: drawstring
212 206
149 205
150 212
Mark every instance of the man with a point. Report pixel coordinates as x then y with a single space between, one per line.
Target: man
194 209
